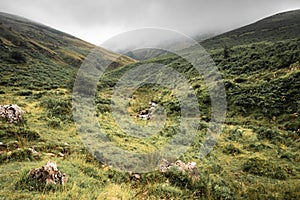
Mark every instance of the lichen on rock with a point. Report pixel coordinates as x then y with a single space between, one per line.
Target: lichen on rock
47 174
12 113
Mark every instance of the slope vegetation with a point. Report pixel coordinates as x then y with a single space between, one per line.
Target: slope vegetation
256 157
275 28
34 55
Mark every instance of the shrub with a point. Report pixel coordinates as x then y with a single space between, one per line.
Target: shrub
235 134
58 108
173 107
257 147
260 167
18 57
165 191
18 155
263 133
24 93
29 134
184 180
231 150
54 122
221 192
292 125
10 131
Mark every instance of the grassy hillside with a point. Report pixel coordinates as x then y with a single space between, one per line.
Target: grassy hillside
261 77
257 156
42 58
272 29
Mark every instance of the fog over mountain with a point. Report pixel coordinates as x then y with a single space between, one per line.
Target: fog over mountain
97 21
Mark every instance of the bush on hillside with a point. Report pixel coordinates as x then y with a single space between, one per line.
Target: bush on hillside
18 57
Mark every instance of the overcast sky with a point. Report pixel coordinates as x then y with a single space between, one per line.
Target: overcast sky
97 20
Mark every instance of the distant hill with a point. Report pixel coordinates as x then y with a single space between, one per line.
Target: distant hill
37 54
274 28
145 54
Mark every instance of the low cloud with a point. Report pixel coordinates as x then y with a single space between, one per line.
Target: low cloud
96 21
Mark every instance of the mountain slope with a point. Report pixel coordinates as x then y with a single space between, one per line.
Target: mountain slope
257 154
256 157
274 28
42 55
260 72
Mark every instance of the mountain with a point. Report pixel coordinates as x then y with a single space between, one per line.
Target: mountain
278 27
260 69
145 54
256 156
259 64
274 28
41 55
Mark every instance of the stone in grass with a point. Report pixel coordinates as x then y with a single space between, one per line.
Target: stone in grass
47 174
189 167
11 113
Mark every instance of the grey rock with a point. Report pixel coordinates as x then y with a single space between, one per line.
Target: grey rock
11 113
48 174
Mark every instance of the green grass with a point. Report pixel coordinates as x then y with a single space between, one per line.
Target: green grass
256 157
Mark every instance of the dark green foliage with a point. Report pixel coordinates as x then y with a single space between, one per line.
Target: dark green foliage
235 134
173 107
289 156
103 105
10 132
263 133
184 180
30 135
91 172
58 109
24 93
117 176
18 155
257 147
260 167
226 52
18 57
220 190
270 93
231 150
292 125
54 122
161 191
202 125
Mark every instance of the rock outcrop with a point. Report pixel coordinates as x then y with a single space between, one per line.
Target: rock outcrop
11 113
147 114
190 167
47 174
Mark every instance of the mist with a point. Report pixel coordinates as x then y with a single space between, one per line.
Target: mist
98 21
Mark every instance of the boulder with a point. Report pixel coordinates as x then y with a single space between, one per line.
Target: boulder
189 167
47 174
147 114
11 113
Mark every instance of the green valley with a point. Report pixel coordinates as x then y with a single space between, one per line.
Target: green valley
256 157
